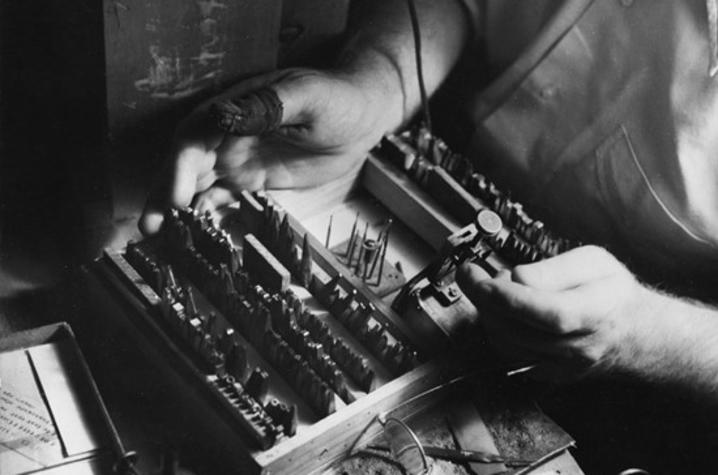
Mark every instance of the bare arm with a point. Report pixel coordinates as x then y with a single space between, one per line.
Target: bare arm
679 344
330 119
380 52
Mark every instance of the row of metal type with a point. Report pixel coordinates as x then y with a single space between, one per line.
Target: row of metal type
220 355
337 295
286 310
250 309
420 155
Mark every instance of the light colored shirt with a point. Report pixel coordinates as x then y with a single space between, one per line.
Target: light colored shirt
605 115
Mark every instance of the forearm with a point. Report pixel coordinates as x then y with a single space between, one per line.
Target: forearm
676 343
380 52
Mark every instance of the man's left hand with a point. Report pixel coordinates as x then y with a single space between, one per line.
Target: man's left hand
575 313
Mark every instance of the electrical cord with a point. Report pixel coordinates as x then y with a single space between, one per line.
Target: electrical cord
419 67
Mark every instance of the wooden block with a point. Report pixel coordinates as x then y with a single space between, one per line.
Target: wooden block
451 195
413 206
263 266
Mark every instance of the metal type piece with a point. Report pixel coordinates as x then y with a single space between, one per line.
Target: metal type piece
210 322
190 303
236 361
283 414
258 384
350 245
328 288
305 268
227 340
170 280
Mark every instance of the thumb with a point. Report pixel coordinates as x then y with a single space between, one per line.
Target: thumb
283 101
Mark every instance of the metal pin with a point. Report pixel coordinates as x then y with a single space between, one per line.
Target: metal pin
383 255
352 245
361 249
329 231
385 229
350 250
351 239
380 252
371 249
375 258
523 369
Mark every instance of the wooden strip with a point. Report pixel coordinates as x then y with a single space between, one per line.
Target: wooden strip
451 195
128 273
273 276
413 206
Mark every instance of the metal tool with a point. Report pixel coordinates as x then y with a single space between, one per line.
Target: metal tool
463 456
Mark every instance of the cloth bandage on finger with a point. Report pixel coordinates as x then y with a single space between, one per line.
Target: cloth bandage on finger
256 113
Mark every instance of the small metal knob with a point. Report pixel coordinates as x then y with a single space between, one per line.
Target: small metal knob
488 222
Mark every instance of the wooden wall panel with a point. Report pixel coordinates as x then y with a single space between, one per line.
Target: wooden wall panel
162 55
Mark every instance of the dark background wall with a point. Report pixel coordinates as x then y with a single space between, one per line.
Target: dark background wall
52 109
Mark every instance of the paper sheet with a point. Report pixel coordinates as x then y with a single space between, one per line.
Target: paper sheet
28 439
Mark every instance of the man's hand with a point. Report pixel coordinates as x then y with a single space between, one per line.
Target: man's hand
575 313
329 123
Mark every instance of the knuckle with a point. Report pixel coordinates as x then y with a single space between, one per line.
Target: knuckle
525 274
587 354
562 322
596 252
509 301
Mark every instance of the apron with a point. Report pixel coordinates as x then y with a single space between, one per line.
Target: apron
608 123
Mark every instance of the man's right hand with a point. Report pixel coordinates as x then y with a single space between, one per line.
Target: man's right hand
330 122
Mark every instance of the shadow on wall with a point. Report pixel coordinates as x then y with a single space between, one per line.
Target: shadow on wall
51 123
